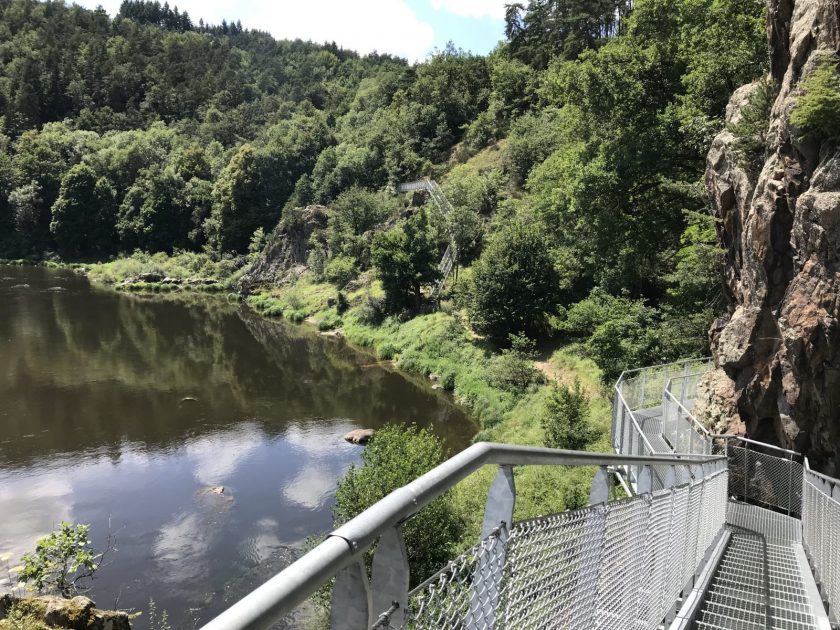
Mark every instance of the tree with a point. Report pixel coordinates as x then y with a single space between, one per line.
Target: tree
63 561
83 215
394 457
565 420
26 203
514 282
156 214
356 212
406 259
817 111
240 203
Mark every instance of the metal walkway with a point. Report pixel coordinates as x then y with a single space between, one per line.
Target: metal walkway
450 256
712 533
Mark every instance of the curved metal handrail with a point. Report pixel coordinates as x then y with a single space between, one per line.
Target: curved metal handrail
279 596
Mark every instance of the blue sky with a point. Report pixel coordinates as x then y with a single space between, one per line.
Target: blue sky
409 28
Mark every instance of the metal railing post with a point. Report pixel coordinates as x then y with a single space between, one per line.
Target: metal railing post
390 576
351 599
501 500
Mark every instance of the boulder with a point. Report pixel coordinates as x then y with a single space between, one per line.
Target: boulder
78 613
150 276
359 436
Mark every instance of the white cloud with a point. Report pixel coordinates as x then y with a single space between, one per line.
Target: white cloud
387 26
216 457
473 8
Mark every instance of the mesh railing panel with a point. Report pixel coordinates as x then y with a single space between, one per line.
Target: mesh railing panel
643 388
821 535
765 480
615 566
680 429
463 595
556 562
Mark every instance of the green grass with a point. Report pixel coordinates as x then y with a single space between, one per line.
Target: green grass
182 266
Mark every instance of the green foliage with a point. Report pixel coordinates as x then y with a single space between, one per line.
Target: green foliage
406 259
83 215
340 270
817 110
514 282
356 213
752 129
696 280
513 370
545 29
62 561
565 421
467 187
395 456
619 333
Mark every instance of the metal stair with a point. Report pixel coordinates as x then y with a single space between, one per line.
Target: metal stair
450 256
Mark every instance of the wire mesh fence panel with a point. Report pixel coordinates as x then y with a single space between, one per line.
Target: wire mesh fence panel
774 482
613 566
821 535
463 595
643 388
553 569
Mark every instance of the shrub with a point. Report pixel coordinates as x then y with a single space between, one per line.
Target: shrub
817 111
63 561
340 270
513 370
565 421
514 282
751 130
394 457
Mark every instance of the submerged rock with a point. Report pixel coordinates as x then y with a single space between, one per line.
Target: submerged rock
359 436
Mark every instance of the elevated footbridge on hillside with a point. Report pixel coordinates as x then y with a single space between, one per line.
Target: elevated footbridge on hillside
684 529
450 256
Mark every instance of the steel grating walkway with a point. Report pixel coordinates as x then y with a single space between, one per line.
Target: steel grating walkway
757 586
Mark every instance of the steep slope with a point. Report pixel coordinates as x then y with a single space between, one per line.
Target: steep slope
777 350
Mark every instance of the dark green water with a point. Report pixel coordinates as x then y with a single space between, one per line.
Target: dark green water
95 428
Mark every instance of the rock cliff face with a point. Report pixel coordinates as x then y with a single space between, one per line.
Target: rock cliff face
285 254
777 350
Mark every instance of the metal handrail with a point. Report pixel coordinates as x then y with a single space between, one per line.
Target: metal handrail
635 422
740 438
282 593
662 365
689 415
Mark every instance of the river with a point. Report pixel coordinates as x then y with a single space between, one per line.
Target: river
122 411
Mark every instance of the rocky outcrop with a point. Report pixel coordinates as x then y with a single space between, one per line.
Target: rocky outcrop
285 255
777 350
79 613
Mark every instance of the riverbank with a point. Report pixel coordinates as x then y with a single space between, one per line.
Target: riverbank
437 346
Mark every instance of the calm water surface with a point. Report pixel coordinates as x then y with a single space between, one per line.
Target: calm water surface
121 412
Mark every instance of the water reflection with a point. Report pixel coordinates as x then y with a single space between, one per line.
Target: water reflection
122 412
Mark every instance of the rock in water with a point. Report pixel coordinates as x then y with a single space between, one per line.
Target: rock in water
359 436
777 350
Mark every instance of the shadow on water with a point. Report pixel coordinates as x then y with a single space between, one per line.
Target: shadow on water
121 411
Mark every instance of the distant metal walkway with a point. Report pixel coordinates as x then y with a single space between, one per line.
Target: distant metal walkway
450 256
